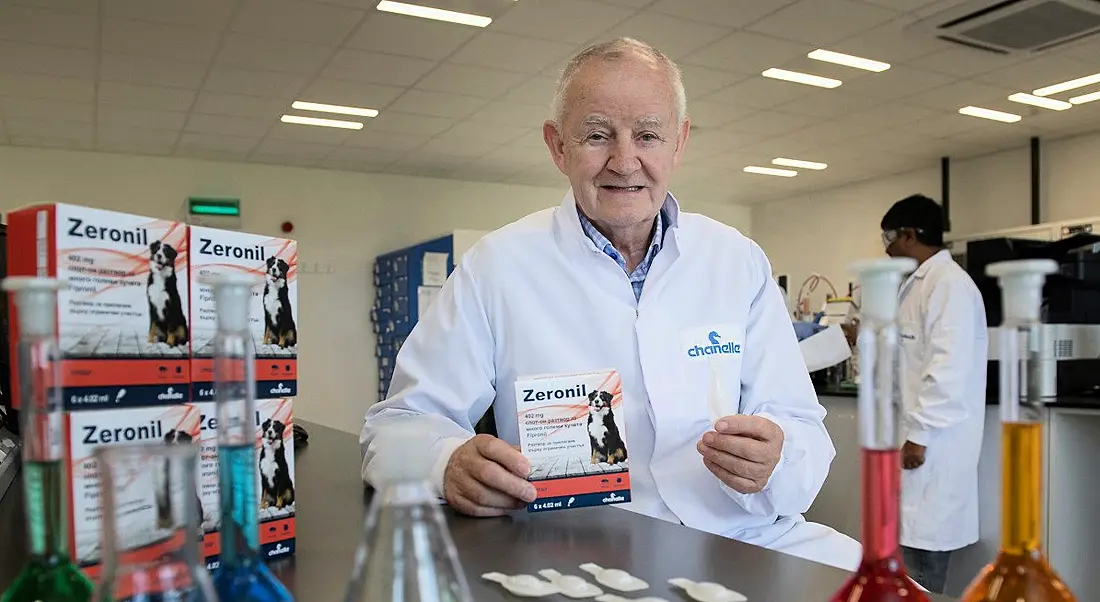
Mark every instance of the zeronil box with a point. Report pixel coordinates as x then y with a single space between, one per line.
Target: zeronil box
274 311
572 429
123 322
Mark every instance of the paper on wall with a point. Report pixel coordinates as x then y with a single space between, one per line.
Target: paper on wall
434 269
826 348
425 296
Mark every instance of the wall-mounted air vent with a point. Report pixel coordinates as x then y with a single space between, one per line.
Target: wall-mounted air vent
1015 27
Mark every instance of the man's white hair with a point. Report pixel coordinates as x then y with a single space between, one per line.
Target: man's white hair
614 50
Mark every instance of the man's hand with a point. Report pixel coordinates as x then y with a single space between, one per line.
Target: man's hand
487 477
742 451
912 455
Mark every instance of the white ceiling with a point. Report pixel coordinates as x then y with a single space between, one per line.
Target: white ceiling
210 78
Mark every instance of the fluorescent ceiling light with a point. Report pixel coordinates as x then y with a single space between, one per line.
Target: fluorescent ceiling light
848 60
802 78
316 106
328 123
1039 101
799 163
1072 84
771 171
438 14
1080 100
990 114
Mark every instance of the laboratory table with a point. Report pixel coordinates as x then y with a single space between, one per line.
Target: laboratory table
332 502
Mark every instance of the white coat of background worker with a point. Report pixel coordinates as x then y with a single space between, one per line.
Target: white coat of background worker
944 351
618 277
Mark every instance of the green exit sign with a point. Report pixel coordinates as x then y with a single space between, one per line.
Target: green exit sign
226 207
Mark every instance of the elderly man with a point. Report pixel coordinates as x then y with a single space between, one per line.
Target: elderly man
618 277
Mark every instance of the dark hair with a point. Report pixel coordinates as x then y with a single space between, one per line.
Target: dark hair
920 213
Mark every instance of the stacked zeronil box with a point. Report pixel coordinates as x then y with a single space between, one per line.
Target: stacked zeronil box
273 321
124 337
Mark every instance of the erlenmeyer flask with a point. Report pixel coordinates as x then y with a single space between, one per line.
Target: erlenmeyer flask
406 553
151 529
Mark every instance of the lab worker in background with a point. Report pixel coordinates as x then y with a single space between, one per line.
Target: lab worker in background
942 380
619 277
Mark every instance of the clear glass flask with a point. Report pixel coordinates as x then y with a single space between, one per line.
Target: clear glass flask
406 553
882 576
241 575
1020 572
49 574
151 530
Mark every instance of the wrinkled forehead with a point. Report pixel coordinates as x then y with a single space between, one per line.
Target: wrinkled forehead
623 91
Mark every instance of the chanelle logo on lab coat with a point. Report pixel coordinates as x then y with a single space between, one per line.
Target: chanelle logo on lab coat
716 347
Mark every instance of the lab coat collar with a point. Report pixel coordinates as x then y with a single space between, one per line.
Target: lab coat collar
939 257
570 222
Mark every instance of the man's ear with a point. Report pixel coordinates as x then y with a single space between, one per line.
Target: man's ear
681 141
556 143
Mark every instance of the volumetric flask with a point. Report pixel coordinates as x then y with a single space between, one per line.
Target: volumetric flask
151 526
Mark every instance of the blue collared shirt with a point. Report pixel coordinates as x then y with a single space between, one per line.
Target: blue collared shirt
637 277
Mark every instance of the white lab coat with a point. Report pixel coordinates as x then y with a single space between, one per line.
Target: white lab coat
538 297
944 350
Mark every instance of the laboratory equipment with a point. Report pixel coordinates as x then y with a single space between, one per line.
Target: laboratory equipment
151 531
881 576
614 578
1020 572
49 575
406 553
241 575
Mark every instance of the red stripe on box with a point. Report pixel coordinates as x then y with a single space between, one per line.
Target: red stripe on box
580 485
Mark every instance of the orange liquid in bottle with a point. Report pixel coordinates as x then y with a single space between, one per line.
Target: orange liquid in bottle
1020 573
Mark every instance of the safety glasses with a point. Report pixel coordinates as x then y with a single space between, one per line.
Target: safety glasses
889 236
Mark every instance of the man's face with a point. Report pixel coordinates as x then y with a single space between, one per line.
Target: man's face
619 140
898 242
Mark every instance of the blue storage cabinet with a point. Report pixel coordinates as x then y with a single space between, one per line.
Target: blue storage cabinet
397 277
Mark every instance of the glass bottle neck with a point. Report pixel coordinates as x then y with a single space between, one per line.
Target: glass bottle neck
881 515
44 494
1021 495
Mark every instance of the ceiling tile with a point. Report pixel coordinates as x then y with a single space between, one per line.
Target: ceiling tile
541 175
156 40
351 165
292 132
1036 73
512 53
229 126
373 156
292 148
48 128
941 125
23 108
962 62
958 94
706 114
746 52
16 57
419 102
271 54
209 14
700 81
138 69
409 36
300 21
508 113
1086 49
629 3
903 5
532 139
69 6
215 142
494 134
148 97
536 91
371 138
471 81
210 154
254 83
135 140
284 160
112 115
435 165
46 87
356 94
727 13
575 21
54 28
823 21
513 155
45 142
771 122
674 37
401 123
375 68
481 170
899 81
892 42
457 147
710 142
834 131
217 103
890 115
827 104
759 93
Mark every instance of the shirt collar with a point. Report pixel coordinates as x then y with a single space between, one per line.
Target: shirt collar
667 217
